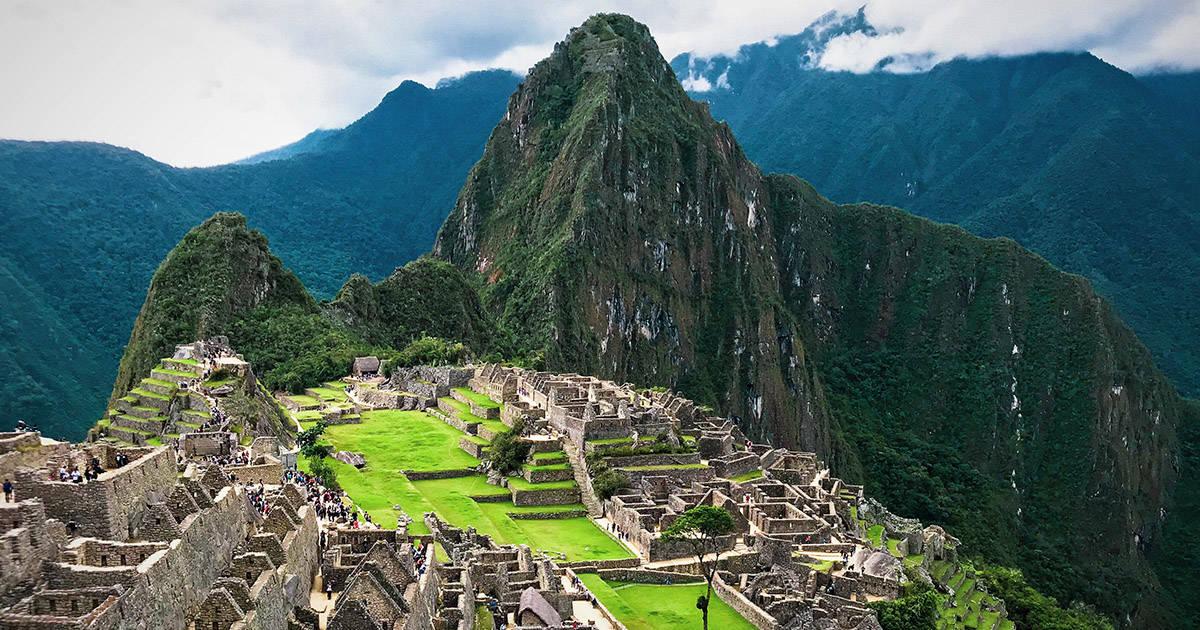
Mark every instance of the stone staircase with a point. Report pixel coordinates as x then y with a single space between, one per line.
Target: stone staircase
141 416
582 479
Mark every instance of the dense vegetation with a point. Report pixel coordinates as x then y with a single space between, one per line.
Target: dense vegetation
1092 168
83 227
618 229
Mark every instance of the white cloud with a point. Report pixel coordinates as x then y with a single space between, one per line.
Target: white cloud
1132 34
209 82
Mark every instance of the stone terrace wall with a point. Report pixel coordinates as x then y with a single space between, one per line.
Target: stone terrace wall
104 508
171 585
745 607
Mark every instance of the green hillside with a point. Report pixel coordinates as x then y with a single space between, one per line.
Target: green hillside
83 226
1090 167
618 229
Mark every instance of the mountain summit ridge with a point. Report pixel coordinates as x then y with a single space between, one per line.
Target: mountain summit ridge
620 230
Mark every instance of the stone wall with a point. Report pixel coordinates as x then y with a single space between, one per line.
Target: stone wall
19 441
559 496
425 605
170 586
649 576
421 475
105 507
653 459
204 444
743 606
24 543
268 472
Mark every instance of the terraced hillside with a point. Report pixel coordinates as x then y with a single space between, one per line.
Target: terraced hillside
424 461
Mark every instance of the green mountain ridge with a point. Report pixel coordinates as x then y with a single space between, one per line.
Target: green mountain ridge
621 231
83 226
1091 167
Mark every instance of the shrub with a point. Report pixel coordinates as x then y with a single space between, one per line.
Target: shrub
323 471
913 612
610 482
508 451
430 351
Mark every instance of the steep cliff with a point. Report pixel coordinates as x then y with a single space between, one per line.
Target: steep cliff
622 231
218 273
616 227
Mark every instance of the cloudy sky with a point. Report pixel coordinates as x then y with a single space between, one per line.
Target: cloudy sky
211 81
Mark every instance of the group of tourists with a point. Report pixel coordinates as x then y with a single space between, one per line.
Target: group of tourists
258 499
237 457
329 503
23 427
72 474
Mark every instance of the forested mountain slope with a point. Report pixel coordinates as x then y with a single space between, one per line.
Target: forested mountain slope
1090 167
82 227
614 226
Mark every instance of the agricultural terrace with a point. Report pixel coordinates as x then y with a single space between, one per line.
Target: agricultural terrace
394 442
661 607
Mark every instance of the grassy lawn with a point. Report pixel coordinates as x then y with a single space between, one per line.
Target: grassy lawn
331 394
748 476
655 607
478 399
394 440
875 535
548 455
304 399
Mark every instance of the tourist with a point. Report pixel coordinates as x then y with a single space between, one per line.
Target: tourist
8 491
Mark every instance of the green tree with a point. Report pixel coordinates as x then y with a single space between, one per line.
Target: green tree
323 471
508 450
914 612
702 527
609 482
307 439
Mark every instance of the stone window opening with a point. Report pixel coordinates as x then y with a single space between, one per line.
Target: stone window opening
124 560
53 606
74 605
103 560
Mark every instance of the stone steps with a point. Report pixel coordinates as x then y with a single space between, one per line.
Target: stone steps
156 386
181 365
137 424
582 480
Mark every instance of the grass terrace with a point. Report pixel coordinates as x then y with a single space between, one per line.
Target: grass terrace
748 476
477 398
659 607
393 441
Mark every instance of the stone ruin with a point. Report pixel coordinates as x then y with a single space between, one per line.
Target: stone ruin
790 513
154 543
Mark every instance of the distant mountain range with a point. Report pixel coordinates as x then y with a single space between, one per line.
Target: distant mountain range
83 226
612 226
1086 165
1093 168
